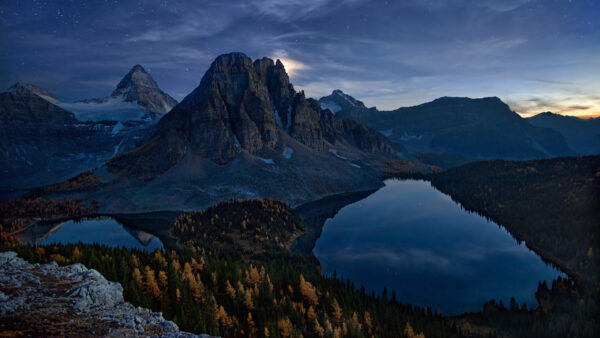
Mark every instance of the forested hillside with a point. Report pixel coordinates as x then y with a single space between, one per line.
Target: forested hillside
554 206
234 276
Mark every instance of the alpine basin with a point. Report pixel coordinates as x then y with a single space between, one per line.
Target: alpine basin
415 241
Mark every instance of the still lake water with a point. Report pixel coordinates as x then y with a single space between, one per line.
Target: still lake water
413 239
104 230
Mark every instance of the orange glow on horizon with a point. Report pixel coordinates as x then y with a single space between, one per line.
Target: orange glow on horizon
581 116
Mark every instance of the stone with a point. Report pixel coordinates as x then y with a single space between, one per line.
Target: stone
90 300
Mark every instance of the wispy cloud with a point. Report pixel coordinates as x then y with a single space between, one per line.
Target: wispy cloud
580 105
297 9
386 53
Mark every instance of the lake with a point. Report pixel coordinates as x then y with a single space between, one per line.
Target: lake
416 241
102 230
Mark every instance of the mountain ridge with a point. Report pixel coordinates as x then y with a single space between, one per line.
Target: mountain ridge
483 128
244 132
583 135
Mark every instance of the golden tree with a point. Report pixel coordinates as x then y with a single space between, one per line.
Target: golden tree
285 327
319 330
163 281
308 291
310 313
337 310
150 284
137 277
230 290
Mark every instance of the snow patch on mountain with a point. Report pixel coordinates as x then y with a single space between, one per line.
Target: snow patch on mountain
267 160
387 133
278 119
335 152
334 107
113 108
117 128
288 152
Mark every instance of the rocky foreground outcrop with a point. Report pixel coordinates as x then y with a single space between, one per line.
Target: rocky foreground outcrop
48 300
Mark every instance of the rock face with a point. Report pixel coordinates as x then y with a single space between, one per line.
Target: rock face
338 100
242 106
41 300
483 128
24 103
243 132
43 143
581 135
21 89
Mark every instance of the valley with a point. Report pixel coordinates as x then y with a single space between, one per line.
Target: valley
204 239
250 209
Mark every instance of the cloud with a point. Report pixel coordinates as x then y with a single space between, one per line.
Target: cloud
388 54
198 22
286 10
293 67
577 105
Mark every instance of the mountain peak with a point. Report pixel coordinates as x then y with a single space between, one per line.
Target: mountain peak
338 100
138 86
136 78
138 68
21 88
244 106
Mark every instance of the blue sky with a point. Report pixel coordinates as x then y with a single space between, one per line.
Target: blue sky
537 55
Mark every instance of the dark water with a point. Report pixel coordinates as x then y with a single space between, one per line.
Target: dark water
105 230
412 239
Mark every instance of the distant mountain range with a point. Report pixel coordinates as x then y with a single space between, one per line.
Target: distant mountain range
243 132
246 132
581 135
483 128
45 140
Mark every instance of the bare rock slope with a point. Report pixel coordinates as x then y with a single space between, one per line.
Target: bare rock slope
244 132
48 300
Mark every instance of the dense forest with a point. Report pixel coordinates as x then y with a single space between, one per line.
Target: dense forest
234 276
554 206
244 267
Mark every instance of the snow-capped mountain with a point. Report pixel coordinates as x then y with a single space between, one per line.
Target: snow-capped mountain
243 132
137 97
338 100
43 143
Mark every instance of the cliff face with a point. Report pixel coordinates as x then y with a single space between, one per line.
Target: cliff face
244 132
42 300
139 87
243 106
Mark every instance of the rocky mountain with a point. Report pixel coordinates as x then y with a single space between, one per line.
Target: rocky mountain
43 143
21 88
243 132
25 103
48 300
338 100
582 135
137 97
483 128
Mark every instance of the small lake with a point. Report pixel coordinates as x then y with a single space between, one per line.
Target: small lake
103 230
413 239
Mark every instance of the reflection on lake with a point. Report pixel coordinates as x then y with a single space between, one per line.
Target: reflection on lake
416 241
104 230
